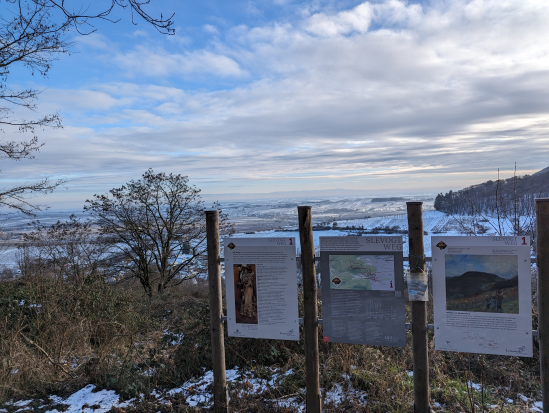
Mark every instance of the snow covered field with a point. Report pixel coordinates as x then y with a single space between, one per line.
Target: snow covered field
434 222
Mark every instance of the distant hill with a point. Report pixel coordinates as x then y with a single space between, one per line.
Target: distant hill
497 196
543 171
475 282
393 199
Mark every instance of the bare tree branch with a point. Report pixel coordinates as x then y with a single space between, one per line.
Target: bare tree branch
17 198
34 33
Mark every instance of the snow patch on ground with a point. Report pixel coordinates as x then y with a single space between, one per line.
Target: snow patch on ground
86 401
337 394
196 391
294 403
475 386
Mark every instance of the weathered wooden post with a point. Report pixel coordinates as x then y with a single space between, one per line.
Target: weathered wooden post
310 319
542 216
419 310
221 398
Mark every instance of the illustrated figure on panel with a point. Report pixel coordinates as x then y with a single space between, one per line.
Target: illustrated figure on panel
499 300
488 303
249 300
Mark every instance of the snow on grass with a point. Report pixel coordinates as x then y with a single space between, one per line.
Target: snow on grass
197 390
86 401
337 395
475 386
294 403
537 407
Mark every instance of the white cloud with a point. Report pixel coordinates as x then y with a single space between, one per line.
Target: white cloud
382 90
93 40
208 28
344 22
81 99
150 62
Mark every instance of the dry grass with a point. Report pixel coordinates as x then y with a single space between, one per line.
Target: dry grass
116 338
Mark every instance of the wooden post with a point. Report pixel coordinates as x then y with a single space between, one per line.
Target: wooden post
310 319
216 313
419 310
542 216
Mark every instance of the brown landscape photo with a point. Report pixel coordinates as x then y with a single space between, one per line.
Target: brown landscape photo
245 293
482 283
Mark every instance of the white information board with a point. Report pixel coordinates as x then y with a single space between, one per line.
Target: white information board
482 295
261 282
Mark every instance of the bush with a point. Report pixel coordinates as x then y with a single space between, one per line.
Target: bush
56 335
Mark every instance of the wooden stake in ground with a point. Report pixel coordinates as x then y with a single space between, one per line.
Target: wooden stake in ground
221 398
419 310
542 216
310 319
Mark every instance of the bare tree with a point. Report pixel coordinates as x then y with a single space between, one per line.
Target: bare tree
70 251
157 223
33 33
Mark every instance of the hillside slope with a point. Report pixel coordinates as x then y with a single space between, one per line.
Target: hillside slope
507 197
476 282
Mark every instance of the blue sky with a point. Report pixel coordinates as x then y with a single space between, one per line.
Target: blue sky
505 266
280 95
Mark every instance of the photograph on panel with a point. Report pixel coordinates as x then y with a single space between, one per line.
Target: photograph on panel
482 283
245 293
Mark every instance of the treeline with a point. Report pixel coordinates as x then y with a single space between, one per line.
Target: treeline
514 196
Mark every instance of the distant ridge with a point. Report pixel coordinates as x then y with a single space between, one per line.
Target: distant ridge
487 197
392 199
543 171
320 193
476 282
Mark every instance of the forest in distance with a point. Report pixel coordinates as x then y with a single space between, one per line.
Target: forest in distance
514 195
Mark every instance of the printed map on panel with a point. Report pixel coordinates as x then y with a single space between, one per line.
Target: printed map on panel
362 272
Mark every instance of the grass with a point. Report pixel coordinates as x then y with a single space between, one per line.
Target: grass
477 303
56 337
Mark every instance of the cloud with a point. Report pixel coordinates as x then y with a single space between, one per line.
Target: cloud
81 99
383 95
93 40
344 22
208 28
149 61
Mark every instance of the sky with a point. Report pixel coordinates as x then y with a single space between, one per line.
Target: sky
252 97
505 266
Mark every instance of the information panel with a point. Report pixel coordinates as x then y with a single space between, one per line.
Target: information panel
261 281
362 290
482 295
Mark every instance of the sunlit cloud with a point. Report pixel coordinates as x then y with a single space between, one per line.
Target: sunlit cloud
382 91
